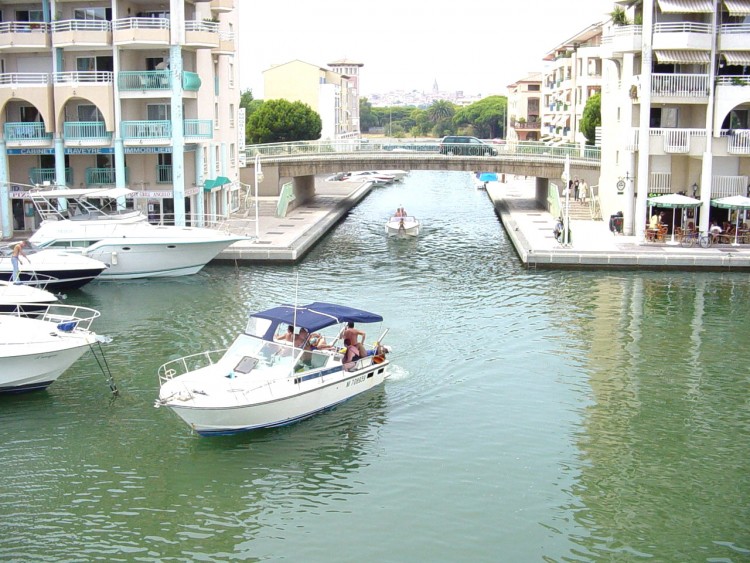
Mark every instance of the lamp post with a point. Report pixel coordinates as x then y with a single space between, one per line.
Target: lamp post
258 179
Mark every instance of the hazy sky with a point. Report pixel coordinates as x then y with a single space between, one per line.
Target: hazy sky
478 46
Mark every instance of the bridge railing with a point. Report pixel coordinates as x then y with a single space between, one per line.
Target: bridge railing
524 149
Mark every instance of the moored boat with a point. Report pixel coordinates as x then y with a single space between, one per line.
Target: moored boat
51 269
261 381
23 298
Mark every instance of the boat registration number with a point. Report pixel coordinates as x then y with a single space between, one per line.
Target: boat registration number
356 380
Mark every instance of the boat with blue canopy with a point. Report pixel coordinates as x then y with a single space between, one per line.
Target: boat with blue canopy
290 363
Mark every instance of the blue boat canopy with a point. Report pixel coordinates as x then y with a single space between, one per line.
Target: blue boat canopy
314 316
488 177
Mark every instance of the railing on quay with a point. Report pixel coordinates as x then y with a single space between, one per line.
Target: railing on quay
526 150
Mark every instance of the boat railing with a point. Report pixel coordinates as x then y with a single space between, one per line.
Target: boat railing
40 281
67 317
181 366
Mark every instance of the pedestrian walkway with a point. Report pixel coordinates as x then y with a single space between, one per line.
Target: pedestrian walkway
530 227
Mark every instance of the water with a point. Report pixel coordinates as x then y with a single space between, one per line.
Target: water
531 415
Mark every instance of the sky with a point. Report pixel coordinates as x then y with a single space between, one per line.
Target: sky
476 46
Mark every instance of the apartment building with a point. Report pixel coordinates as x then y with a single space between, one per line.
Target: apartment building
524 108
572 74
332 92
120 93
675 106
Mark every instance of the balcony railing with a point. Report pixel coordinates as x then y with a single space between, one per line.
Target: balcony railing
41 175
81 25
17 79
680 85
201 128
87 76
725 186
202 25
660 182
163 173
86 131
140 23
191 81
100 176
130 80
677 140
23 27
682 27
26 131
738 140
144 130
736 80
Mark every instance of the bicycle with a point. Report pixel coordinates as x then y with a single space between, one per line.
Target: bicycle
703 239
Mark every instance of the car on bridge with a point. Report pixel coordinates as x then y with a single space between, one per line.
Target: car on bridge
465 146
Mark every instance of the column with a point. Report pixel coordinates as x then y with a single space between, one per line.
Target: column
642 177
199 179
62 203
6 211
178 137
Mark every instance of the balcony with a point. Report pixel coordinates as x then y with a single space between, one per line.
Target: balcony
196 129
17 37
725 186
527 125
41 175
738 141
687 87
141 31
734 37
91 85
202 34
143 80
156 132
81 33
102 176
163 173
222 5
682 35
668 140
26 134
226 44
86 134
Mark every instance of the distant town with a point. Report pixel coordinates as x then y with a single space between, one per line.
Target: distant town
422 99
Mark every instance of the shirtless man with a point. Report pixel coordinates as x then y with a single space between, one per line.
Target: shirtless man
15 257
352 334
288 336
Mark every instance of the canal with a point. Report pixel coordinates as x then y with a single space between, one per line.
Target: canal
531 415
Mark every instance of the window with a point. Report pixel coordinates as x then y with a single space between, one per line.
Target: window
158 112
216 115
231 75
29 114
231 115
29 16
95 14
231 155
85 64
89 112
533 88
153 62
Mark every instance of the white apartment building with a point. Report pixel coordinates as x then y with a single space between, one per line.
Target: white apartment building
675 107
524 108
331 92
571 76
120 93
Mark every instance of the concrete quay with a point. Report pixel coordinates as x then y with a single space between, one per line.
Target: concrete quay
530 227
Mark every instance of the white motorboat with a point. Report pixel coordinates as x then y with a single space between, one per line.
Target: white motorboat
23 298
398 175
124 240
377 178
407 226
261 382
51 269
36 349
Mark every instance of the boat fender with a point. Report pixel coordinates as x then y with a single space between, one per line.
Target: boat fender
114 257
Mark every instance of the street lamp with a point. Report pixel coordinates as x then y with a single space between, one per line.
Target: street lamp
695 189
258 179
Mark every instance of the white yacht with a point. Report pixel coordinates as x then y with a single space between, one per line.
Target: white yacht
124 240
24 298
51 269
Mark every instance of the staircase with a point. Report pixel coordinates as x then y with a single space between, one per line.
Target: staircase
578 211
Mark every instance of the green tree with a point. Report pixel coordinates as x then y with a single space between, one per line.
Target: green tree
591 118
367 118
487 117
441 110
278 121
251 105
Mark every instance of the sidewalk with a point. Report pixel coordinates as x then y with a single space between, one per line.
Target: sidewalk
593 245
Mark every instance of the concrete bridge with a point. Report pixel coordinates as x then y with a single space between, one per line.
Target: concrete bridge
300 162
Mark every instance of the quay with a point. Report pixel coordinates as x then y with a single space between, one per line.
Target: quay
528 225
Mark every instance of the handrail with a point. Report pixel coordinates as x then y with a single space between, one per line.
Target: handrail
81 25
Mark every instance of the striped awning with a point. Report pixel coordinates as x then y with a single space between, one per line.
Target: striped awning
739 58
738 7
683 57
686 6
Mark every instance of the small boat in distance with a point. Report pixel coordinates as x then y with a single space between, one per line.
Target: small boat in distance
262 381
402 226
36 349
51 269
122 239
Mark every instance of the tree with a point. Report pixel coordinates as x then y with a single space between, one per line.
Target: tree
591 118
441 110
251 105
487 117
366 117
278 121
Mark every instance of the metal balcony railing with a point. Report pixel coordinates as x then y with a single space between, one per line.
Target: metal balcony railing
682 27
129 80
86 76
144 130
725 186
201 128
24 27
102 176
81 25
163 173
86 131
660 182
738 140
26 131
17 79
202 25
41 175
140 23
680 85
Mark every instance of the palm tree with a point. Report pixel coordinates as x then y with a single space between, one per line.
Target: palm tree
441 110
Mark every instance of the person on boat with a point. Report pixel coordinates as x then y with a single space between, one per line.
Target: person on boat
401 226
398 213
288 336
17 255
301 338
351 356
352 334
317 342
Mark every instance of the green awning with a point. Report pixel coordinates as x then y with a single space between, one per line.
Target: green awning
209 185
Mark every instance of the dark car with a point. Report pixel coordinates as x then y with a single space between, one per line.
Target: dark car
466 146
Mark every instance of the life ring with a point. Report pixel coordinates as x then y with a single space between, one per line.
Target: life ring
378 359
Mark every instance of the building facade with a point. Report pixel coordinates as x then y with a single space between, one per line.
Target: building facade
524 108
571 76
331 92
119 93
675 107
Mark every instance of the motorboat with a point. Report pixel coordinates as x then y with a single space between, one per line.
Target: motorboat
263 382
398 175
124 240
24 298
51 269
36 349
377 178
406 226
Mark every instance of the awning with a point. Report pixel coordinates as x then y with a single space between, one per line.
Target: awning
209 185
739 58
738 7
686 6
683 57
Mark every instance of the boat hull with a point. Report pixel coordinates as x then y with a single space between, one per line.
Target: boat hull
393 228
305 399
53 270
22 372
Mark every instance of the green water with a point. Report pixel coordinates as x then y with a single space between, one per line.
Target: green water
531 415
